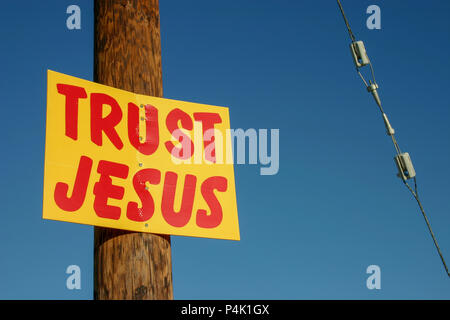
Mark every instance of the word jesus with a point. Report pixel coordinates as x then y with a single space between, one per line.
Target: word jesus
104 189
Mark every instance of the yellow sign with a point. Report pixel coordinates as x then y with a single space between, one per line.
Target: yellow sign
122 160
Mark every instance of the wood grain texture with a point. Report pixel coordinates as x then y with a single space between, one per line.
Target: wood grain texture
127 55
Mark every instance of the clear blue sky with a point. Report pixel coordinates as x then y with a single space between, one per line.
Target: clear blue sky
336 205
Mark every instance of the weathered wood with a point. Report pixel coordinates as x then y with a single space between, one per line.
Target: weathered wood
127 55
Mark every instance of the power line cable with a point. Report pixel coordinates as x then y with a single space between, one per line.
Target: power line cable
402 160
352 36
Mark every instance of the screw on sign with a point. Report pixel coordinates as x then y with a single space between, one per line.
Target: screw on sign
113 150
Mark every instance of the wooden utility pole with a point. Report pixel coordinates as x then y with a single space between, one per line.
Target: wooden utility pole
127 55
